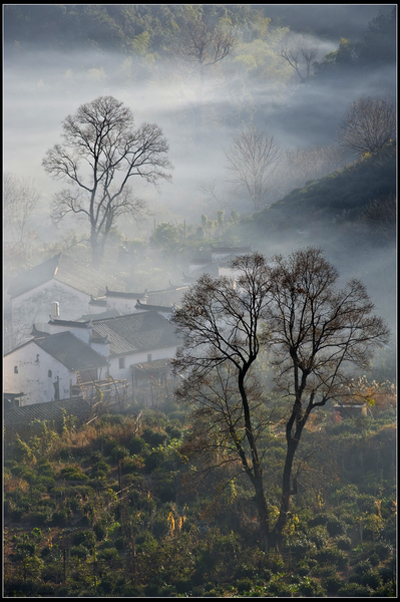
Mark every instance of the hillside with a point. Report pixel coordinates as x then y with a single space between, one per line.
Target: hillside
345 197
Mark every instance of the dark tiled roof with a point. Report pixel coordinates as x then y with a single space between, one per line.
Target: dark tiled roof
167 297
122 295
101 301
38 333
51 411
142 331
147 307
109 313
71 351
67 270
69 323
34 277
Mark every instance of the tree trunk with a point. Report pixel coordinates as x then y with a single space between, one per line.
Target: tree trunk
287 491
262 510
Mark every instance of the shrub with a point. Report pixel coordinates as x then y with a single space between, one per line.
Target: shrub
84 538
333 556
60 518
131 465
274 562
40 518
136 445
280 589
100 469
362 567
343 543
73 473
310 587
335 527
244 585
100 531
319 536
79 552
154 437
354 590
383 549
332 583
372 578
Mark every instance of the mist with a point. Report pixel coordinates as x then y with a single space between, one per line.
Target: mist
43 87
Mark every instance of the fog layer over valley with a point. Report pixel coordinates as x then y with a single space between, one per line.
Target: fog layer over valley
201 108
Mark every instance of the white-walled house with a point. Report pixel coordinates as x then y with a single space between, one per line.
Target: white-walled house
60 279
48 367
143 336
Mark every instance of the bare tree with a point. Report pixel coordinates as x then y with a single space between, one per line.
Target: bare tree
205 44
20 199
368 126
301 58
100 154
314 331
318 332
252 159
221 327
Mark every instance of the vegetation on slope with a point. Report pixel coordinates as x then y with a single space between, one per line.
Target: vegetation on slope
122 507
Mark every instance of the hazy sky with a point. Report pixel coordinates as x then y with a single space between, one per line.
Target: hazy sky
41 88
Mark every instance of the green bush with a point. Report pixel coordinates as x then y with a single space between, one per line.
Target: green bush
100 469
310 587
372 579
383 549
131 465
39 518
332 556
79 552
319 536
85 538
332 583
73 473
354 590
136 445
280 589
362 567
335 527
343 543
244 585
154 437
60 518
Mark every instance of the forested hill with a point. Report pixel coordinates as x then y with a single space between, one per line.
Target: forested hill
362 194
139 27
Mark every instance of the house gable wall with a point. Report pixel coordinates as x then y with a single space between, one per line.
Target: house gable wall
137 358
34 306
33 365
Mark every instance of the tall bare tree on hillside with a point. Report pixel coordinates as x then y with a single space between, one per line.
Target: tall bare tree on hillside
252 159
301 57
368 126
314 332
100 155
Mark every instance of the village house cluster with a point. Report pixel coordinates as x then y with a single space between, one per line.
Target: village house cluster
71 332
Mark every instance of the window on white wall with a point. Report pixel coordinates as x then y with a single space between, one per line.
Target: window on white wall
121 363
49 374
149 357
15 369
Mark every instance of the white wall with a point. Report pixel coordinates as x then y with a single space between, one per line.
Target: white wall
32 378
34 307
137 358
81 333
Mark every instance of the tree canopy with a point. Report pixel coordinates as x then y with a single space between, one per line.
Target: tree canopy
100 154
